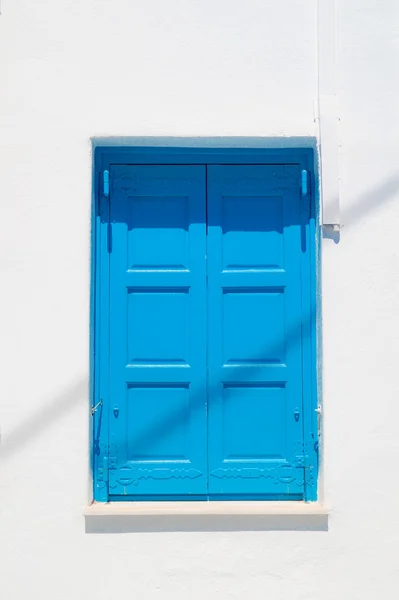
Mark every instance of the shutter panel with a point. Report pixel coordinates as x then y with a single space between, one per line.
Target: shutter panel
157 331
255 412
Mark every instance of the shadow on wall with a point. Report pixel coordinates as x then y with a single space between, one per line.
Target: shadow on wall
371 200
206 142
162 426
32 426
365 204
45 417
218 522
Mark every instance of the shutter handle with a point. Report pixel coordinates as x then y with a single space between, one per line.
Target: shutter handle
116 411
297 414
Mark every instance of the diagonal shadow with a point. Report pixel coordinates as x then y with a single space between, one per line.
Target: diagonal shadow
371 200
361 208
161 427
46 416
52 411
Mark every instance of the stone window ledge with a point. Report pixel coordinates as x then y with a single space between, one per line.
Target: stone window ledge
123 517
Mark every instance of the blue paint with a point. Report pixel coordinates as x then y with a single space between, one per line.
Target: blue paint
311 314
304 182
106 183
158 330
94 314
101 416
239 421
254 349
105 156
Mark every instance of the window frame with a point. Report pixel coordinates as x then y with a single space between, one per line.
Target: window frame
103 158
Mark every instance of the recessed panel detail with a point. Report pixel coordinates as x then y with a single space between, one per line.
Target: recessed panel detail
157 422
253 326
158 326
158 232
252 232
254 423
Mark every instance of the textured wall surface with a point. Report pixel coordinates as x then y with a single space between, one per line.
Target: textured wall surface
73 70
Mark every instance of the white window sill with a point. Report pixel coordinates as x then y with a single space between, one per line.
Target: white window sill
122 517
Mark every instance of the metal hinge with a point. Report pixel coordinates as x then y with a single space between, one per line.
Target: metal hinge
305 190
106 183
304 460
107 463
105 469
304 183
304 454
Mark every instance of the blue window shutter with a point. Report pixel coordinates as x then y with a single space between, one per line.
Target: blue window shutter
158 331
255 416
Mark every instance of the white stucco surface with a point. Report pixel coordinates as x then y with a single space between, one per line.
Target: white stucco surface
73 70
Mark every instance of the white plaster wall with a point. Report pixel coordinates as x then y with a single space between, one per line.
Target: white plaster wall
72 70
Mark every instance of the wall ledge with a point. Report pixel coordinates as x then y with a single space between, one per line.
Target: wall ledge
123 517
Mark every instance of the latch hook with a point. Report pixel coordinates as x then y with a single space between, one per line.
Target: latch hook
96 407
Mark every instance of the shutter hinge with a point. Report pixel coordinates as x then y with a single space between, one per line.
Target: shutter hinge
304 183
305 461
106 183
305 190
102 479
105 469
108 463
